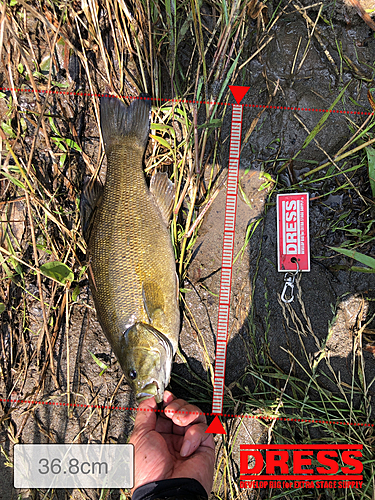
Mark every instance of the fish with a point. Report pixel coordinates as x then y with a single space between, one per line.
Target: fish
131 261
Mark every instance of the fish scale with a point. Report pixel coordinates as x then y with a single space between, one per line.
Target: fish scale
131 261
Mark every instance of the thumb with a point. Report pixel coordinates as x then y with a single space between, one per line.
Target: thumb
145 420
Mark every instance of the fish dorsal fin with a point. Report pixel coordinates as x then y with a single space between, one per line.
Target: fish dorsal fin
163 191
91 197
153 301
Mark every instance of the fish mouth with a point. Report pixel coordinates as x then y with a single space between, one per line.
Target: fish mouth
148 391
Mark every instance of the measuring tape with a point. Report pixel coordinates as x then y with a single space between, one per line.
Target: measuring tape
227 258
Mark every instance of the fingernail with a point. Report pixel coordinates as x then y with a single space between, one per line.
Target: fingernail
185 448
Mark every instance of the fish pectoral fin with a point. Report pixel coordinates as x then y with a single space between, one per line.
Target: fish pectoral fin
153 301
158 319
91 197
163 192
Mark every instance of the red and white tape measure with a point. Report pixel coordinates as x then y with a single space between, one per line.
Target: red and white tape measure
227 259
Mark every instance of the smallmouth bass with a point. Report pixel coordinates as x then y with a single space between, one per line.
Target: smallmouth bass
131 263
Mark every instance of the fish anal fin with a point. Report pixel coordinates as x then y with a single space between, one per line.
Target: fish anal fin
91 197
163 192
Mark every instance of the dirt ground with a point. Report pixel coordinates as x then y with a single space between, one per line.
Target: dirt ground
282 360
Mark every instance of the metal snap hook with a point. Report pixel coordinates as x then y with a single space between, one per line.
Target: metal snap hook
289 279
289 283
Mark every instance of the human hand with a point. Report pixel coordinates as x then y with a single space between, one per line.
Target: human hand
172 445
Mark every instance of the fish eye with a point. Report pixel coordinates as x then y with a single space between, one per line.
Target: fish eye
133 374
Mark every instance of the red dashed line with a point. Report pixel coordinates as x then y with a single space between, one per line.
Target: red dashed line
263 417
52 403
291 108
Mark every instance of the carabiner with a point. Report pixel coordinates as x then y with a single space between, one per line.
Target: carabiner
289 283
289 279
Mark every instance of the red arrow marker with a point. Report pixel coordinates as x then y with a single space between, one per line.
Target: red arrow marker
215 427
228 243
238 92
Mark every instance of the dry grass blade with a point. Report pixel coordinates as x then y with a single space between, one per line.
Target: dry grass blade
361 11
257 118
340 157
303 13
331 160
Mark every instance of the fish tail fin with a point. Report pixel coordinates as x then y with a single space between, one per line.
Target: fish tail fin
119 121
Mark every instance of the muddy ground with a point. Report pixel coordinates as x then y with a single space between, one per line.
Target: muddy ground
314 340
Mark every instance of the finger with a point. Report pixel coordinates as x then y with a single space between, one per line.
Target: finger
168 398
164 423
145 420
196 437
178 415
185 413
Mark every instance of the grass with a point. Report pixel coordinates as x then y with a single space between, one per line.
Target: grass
186 51
45 153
